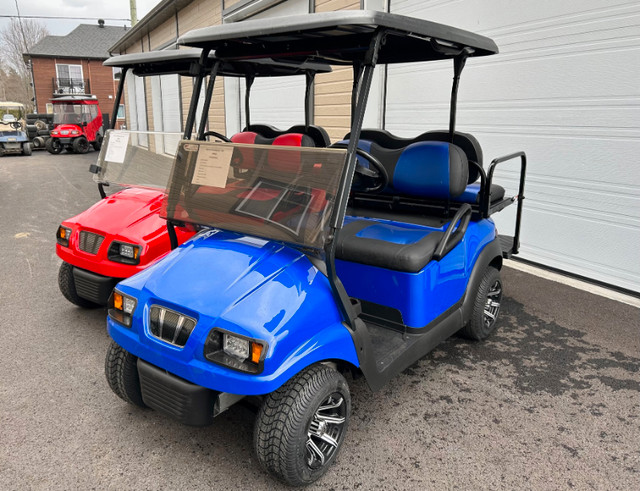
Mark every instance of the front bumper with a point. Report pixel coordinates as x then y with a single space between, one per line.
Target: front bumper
92 286
189 403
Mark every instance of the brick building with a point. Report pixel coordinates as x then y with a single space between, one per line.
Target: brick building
72 64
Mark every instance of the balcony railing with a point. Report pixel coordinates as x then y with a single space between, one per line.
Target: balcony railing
71 86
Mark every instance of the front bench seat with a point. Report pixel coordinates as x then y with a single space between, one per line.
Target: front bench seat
402 246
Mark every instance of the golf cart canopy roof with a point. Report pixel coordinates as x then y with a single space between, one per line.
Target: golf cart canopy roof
75 99
339 38
181 62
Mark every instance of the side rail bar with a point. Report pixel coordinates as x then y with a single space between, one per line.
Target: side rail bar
520 197
451 238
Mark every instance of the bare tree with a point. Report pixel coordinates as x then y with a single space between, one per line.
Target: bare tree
18 38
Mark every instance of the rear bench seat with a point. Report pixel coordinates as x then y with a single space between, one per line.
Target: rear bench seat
400 246
385 141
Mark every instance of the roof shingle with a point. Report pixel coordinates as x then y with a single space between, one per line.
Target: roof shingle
85 41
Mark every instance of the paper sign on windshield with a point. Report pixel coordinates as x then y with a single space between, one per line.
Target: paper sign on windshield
212 166
117 146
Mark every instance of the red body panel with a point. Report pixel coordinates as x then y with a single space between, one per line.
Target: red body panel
131 215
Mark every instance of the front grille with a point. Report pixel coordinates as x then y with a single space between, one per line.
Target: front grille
170 326
90 242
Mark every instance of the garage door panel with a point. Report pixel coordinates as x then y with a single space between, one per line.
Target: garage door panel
569 78
564 89
512 16
562 246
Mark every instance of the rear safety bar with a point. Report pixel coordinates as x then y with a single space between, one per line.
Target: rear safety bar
486 199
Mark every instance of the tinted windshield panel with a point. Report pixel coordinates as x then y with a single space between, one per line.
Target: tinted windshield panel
67 113
137 158
274 192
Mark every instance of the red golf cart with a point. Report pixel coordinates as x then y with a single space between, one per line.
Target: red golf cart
123 233
77 123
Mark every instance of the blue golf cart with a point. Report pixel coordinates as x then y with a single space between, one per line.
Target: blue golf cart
313 261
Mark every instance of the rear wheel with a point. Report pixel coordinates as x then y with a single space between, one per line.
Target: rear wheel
26 148
121 370
80 145
486 306
301 426
53 146
68 287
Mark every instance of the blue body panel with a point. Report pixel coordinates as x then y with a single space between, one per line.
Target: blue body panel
420 297
253 287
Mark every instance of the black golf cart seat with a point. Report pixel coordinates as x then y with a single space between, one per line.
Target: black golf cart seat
383 140
379 243
318 134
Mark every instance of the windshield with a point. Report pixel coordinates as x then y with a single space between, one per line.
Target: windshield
73 113
137 158
274 192
11 112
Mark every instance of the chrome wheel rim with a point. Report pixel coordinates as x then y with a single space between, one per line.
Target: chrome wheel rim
325 431
492 304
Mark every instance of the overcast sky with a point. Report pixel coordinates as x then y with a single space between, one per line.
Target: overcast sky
94 9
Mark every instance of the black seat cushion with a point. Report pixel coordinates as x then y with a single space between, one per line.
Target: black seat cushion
471 194
395 247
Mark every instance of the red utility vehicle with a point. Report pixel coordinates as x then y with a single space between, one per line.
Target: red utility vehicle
77 123
123 233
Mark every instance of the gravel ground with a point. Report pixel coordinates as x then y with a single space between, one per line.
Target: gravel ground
549 402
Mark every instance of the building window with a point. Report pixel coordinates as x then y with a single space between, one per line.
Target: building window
120 114
69 79
117 73
49 107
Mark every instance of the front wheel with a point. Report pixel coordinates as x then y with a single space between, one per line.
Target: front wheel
26 148
67 285
97 145
80 145
301 426
486 306
53 146
121 371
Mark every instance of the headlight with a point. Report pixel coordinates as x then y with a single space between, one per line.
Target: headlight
121 307
122 252
62 236
54 132
234 351
75 132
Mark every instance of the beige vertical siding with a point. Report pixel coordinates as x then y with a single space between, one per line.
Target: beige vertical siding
203 13
333 90
164 33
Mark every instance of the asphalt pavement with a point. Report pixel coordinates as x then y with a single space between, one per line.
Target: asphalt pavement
550 401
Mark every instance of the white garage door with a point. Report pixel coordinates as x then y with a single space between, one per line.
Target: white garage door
165 94
137 107
278 101
565 89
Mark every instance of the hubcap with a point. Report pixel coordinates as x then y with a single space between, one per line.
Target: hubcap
492 305
325 431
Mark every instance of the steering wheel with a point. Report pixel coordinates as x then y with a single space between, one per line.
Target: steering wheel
16 125
377 176
217 135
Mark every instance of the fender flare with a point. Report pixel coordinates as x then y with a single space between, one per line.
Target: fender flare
492 252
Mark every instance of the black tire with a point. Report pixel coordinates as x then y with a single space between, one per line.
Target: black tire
26 148
68 288
290 423
44 132
80 145
121 371
53 146
486 306
98 143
